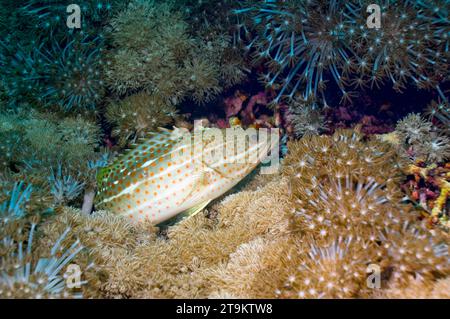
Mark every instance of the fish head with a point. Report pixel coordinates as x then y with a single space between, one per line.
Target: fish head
234 152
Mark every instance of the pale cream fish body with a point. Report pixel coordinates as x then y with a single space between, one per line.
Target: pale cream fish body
170 173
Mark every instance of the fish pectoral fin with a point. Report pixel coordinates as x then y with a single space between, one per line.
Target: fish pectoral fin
196 209
184 215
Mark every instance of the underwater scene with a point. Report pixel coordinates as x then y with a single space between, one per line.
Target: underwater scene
224 149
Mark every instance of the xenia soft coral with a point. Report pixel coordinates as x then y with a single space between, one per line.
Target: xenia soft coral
251 244
351 191
27 271
154 51
137 115
59 156
108 240
132 262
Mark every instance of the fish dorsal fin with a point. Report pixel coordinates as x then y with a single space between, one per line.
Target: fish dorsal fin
156 143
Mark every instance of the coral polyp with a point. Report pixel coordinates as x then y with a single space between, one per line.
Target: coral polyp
346 205
58 74
138 115
335 269
74 76
23 277
307 44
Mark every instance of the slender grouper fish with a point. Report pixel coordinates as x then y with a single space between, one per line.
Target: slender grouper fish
177 172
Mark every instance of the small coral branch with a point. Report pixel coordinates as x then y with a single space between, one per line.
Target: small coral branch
430 188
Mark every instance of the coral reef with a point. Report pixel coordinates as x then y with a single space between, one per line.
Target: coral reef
428 187
363 187
348 195
423 146
253 244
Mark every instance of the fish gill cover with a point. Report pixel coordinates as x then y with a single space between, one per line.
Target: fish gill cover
97 96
